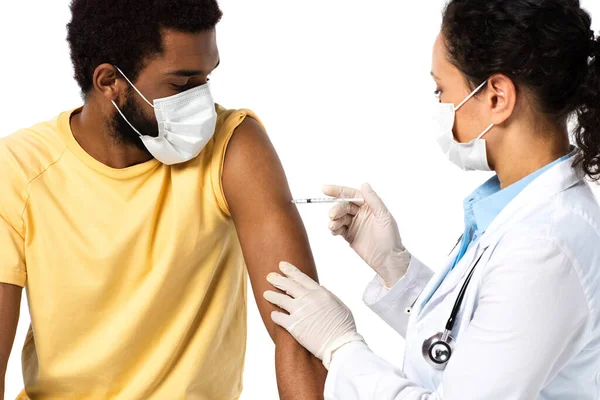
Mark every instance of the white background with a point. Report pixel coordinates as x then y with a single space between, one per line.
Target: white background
343 87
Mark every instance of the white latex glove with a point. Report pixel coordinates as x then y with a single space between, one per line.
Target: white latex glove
370 230
317 319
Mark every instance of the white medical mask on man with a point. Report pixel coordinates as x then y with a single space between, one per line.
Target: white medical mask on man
471 156
186 123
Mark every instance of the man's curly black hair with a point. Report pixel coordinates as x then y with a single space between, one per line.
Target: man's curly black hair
128 33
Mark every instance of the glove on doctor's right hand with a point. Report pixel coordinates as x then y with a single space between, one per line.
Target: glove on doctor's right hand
370 230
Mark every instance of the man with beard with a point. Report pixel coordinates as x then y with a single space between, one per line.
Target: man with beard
134 220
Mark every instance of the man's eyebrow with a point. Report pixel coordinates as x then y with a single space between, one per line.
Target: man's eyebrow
188 73
434 76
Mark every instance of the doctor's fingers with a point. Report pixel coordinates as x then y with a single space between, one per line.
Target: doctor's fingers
289 286
298 276
344 221
373 200
343 232
341 209
282 319
281 300
341 192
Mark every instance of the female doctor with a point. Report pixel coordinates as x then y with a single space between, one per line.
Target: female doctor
515 312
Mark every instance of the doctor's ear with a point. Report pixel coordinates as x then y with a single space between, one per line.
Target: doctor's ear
501 94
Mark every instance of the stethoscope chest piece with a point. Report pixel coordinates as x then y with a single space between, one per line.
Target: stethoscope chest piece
437 350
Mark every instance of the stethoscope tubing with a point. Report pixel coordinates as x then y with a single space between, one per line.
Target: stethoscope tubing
444 339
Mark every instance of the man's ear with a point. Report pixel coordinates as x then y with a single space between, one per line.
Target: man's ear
106 82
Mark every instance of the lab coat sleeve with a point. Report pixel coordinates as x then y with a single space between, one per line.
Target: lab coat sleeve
531 319
391 304
356 373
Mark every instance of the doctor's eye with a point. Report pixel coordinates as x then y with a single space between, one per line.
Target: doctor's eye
437 93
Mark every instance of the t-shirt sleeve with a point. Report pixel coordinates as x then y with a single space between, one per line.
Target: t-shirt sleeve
12 255
227 123
12 229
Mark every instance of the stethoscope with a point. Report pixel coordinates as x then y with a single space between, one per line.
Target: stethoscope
437 350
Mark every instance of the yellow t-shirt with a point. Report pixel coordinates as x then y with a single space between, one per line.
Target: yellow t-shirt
135 277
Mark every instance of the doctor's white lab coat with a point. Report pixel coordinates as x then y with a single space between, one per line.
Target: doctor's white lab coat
529 324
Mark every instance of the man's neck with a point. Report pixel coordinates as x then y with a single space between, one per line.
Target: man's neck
90 131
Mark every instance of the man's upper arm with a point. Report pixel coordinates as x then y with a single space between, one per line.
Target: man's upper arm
10 306
268 224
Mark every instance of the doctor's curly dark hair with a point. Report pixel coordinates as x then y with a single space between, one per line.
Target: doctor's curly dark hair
129 32
545 47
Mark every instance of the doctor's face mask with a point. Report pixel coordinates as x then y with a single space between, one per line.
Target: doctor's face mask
459 129
471 156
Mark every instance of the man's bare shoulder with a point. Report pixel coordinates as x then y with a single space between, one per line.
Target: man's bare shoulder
252 165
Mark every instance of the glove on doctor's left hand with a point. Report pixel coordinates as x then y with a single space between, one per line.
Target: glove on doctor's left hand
317 319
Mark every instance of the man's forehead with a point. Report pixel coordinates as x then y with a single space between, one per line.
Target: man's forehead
190 51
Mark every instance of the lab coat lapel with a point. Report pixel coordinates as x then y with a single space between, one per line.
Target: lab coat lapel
452 278
435 282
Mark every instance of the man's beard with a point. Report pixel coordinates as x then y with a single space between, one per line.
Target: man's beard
120 130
